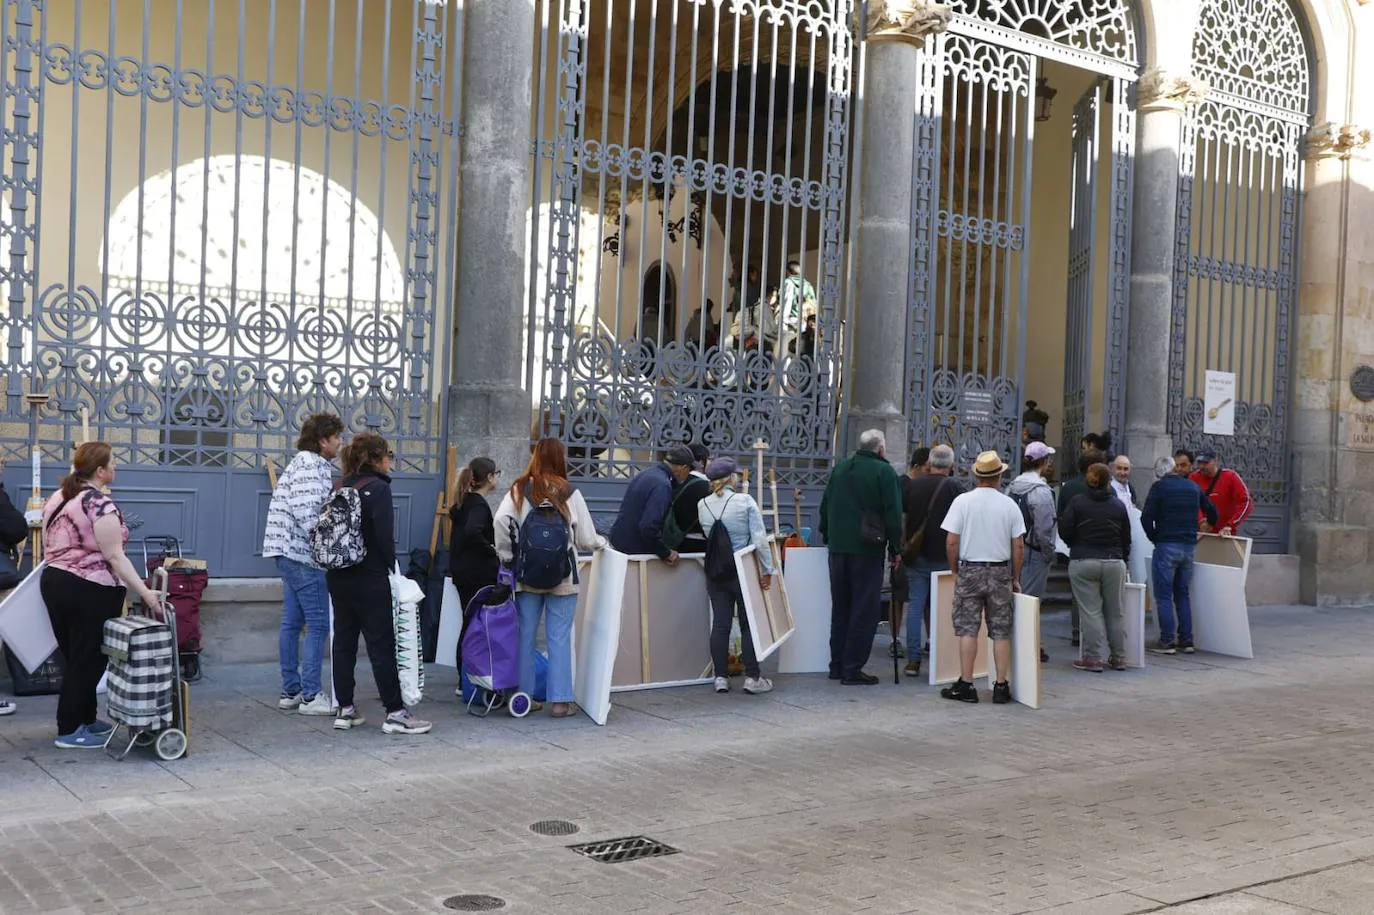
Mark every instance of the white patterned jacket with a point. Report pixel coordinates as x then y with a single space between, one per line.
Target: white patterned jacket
301 492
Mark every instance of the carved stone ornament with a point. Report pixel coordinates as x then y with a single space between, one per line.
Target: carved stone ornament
1160 90
1336 141
906 20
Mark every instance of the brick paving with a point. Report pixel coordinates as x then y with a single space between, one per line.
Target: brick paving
1209 784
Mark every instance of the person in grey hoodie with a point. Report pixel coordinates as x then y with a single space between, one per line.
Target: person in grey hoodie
1033 494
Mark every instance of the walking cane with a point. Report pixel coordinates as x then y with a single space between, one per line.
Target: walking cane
892 624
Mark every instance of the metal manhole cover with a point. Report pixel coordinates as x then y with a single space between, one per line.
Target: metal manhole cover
554 828
474 902
628 848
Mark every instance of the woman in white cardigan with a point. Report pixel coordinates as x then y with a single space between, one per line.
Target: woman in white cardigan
546 481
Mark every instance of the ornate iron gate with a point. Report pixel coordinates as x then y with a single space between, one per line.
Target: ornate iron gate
1085 366
971 178
689 151
1239 192
222 216
971 204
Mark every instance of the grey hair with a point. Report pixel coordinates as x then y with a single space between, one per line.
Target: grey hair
872 440
1163 467
941 457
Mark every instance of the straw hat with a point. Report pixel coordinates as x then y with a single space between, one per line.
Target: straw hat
989 464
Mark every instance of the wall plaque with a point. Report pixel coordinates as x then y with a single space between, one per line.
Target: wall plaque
1362 383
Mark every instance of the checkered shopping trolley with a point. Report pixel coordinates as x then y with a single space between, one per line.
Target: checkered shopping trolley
145 693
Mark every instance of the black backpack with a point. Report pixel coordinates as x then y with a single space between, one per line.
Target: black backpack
720 552
1022 500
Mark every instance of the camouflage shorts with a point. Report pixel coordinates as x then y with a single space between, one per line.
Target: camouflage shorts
983 592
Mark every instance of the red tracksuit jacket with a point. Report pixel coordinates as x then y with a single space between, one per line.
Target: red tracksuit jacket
1229 495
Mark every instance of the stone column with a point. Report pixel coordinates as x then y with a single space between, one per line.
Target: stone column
1161 100
1333 428
489 412
882 231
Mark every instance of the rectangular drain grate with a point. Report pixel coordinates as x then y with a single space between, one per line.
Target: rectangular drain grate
629 848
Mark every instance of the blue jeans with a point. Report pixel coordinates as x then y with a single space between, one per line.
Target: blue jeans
305 606
558 611
918 596
1173 574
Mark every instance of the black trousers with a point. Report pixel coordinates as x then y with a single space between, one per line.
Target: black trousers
727 601
78 609
362 606
856 584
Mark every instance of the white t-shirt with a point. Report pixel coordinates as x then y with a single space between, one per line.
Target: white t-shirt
986 521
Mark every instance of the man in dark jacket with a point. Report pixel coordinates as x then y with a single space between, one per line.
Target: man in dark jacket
925 502
862 486
1097 529
686 495
1170 520
638 528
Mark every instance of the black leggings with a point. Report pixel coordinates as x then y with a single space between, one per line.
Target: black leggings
727 602
362 605
78 609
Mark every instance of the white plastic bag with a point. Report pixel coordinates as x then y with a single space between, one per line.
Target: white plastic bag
405 615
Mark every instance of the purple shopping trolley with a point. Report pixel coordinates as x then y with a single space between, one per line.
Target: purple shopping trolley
491 649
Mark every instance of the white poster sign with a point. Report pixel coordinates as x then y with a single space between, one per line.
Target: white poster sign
1219 404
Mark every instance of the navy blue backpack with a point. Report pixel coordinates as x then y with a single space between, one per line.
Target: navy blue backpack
544 555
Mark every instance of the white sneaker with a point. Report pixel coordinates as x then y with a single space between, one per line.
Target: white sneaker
320 706
722 685
403 722
754 687
7 708
289 702
347 718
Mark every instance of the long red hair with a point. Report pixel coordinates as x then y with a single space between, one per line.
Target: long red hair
546 475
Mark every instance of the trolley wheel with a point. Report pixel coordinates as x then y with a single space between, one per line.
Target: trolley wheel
144 739
519 705
171 744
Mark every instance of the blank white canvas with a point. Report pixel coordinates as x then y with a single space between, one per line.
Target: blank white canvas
24 625
1142 550
599 633
1221 616
1024 675
450 625
807 573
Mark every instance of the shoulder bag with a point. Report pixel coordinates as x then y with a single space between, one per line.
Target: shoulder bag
872 527
911 548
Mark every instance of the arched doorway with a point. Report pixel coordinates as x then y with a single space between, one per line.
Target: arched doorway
1022 180
1235 282
658 304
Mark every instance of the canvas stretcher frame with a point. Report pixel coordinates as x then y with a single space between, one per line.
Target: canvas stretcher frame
770 615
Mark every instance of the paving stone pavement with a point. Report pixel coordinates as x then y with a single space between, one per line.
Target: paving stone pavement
1210 784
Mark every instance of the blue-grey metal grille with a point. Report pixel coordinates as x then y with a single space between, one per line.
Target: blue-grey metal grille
1078 342
1235 277
224 215
679 143
971 204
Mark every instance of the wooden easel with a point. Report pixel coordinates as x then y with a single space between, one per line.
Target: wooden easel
442 522
36 402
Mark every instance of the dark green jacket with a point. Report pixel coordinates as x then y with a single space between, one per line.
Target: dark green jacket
871 482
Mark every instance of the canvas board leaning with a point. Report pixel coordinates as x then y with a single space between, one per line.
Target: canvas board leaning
770 617
1221 614
24 625
807 580
944 646
1024 676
